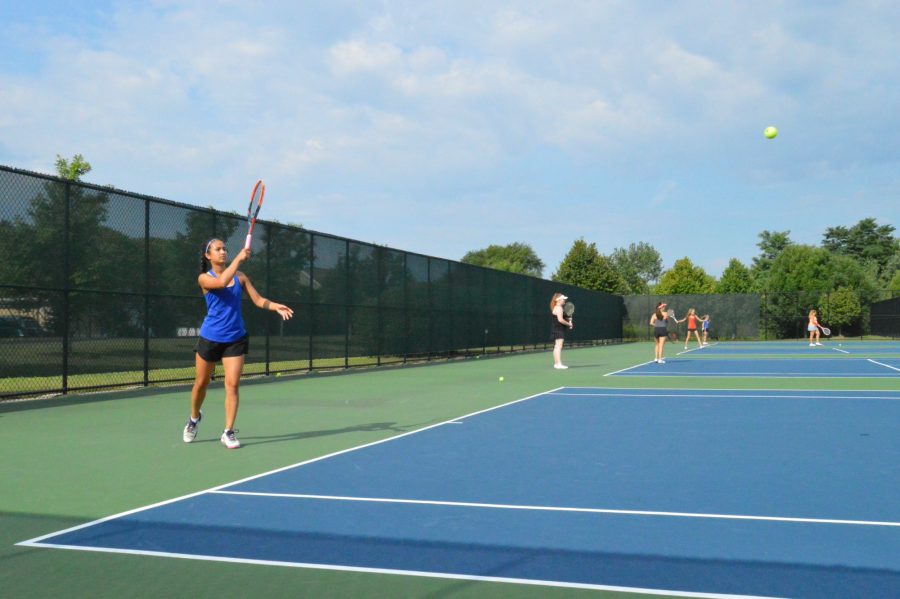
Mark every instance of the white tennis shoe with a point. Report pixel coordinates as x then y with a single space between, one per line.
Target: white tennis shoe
560 366
229 440
190 429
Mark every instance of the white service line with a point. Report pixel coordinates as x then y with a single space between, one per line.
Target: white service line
885 365
840 350
445 575
687 351
691 394
37 541
546 508
618 371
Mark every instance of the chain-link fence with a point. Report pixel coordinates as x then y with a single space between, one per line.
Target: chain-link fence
98 289
733 316
885 318
857 313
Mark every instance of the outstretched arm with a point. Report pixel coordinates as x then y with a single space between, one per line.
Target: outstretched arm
261 302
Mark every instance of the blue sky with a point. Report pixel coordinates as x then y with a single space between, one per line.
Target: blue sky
443 127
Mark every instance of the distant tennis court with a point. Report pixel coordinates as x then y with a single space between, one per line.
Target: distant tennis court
677 491
863 360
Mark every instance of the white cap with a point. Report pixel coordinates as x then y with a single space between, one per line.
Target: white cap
563 297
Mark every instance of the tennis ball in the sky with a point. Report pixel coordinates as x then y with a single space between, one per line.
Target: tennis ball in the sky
770 132
501 379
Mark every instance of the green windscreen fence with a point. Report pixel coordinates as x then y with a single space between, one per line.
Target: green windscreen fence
731 316
858 313
98 288
885 318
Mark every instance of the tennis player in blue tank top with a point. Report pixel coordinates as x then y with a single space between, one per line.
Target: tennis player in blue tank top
223 337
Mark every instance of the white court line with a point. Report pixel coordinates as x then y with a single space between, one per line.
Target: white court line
694 394
774 375
545 508
37 541
680 390
528 581
885 365
840 350
624 369
687 351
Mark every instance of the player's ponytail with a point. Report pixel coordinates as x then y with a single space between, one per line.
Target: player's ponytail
204 261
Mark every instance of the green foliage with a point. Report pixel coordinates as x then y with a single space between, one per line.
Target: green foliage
736 278
895 282
515 257
865 241
638 264
74 170
801 276
841 308
585 267
771 245
685 278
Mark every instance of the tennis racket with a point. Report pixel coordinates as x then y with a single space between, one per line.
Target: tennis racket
256 200
826 331
673 334
569 310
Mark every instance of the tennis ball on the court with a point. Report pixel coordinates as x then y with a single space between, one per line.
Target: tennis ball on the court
770 132
501 379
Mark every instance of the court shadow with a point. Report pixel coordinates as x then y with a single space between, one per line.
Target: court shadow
249 440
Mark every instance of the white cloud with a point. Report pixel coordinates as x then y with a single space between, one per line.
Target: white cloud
356 55
432 101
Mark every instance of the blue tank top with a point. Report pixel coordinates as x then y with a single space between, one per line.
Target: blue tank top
224 322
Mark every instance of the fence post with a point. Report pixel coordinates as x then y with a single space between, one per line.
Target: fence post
405 306
379 323
347 295
146 293
268 316
312 305
430 308
67 216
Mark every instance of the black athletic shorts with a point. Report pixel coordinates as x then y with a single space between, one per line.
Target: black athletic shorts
214 351
657 332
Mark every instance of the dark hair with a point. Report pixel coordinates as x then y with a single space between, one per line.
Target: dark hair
204 261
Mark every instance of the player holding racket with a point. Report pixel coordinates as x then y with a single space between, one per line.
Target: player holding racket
659 320
813 327
691 319
222 335
558 328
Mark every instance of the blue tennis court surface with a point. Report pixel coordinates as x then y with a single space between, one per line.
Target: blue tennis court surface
794 348
704 493
823 367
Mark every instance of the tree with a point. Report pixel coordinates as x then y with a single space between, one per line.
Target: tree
771 245
894 285
800 277
841 308
891 273
585 267
736 278
74 170
865 241
515 257
685 278
638 264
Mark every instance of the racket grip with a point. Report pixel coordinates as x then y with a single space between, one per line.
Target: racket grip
247 242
